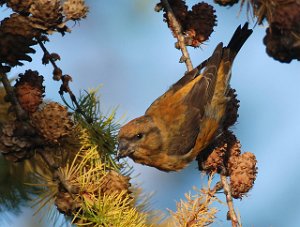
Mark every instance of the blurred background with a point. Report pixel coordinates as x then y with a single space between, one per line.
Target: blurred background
125 47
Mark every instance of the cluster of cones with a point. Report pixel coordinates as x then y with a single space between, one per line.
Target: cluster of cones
46 126
282 38
224 156
283 34
47 121
49 128
29 22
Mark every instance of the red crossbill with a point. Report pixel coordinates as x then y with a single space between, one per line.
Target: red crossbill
188 117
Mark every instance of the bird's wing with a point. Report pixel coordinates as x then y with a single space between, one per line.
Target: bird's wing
181 108
188 77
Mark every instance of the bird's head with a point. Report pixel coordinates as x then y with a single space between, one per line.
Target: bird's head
139 139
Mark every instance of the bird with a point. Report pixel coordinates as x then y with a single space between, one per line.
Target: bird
188 117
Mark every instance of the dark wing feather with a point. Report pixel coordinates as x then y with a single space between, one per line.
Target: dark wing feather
183 139
188 77
210 72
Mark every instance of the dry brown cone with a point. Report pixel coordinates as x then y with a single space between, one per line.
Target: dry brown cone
243 174
212 158
13 146
75 9
226 2
216 157
16 39
199 24
20 6
180 10
283 35
233 151
114 182
17 24
282 45
15 49
47 15
66 204
52 122
30 90
287 16
231 109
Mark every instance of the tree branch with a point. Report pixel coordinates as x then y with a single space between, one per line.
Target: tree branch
180 37
64 88
21 114
227 192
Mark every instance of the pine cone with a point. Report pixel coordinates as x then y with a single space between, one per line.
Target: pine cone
231 109
217 156
215 161
282 39
47 15
13 146
75 9
232 154
199 24
66 204
226 2
114 182
287 16
19 25
16 39
52 121
29 90
282 45
20 6
243 174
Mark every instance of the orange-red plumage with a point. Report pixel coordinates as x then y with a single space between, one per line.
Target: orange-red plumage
188 117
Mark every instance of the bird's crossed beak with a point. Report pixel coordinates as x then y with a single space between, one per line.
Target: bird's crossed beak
123 150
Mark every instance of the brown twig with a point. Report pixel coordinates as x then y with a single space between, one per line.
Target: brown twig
218 186
21 114
178 30
65 88
227 192
46 52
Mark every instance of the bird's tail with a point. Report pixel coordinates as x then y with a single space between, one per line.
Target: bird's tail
238 39
236 42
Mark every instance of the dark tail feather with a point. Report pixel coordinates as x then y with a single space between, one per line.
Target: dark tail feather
238 39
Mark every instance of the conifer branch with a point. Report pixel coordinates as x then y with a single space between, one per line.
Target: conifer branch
21 114
180 37
227 192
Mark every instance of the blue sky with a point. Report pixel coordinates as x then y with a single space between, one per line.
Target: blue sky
126 47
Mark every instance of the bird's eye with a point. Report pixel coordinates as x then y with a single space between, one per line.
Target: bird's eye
139 136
